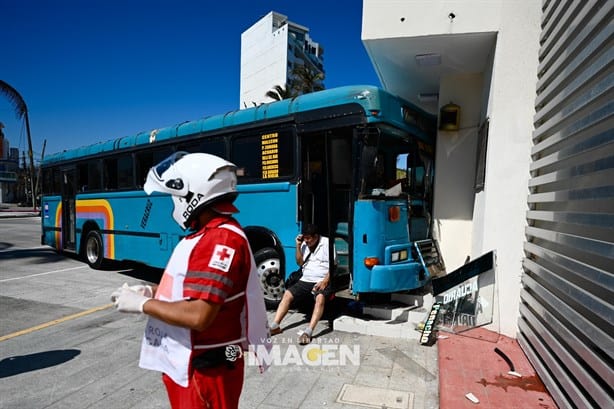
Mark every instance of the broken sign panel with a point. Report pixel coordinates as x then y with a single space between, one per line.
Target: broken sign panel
466 295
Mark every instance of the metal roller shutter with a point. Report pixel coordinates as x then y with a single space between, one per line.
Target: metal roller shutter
566 313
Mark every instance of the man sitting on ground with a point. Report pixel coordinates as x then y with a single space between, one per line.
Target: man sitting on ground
312 255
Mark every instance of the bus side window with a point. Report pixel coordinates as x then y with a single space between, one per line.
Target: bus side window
191 147
145 160
82 176
244 153
94 173
402 171
110 174
214 146
417 188
125 177
49 186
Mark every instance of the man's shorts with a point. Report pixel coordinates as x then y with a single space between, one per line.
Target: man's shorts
303 292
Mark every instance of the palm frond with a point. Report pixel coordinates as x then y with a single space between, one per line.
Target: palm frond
274 95
14 98
279 92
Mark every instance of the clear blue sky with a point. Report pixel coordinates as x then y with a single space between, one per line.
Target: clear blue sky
94 70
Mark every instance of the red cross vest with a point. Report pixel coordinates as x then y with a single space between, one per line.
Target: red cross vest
167 348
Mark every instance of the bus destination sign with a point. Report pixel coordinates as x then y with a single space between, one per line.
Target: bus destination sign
270 155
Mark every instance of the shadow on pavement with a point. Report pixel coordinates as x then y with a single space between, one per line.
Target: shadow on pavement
140 272
42 255
16 365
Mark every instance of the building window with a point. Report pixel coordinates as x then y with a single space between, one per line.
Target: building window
480 169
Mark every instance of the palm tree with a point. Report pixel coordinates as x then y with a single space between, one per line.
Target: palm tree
21 109
279 92
306 80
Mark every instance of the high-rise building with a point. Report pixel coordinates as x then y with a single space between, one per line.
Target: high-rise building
271 50
9 168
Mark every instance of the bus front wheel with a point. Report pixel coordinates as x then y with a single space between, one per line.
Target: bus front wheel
268 263
94 249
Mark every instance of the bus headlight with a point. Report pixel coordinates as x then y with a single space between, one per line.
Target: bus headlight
397 256
371 261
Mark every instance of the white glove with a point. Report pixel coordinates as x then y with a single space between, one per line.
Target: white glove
129 301
142 289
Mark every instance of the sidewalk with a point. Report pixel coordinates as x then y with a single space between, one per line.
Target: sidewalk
390 372
463 364
395 371
468 363
14 210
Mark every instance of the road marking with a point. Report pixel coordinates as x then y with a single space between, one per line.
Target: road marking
42 274
54 322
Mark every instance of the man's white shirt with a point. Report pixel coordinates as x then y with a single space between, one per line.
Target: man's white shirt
317 265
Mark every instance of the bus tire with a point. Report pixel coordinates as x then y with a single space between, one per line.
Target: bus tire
94 249
268 263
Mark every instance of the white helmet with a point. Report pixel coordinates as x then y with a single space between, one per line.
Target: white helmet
194 180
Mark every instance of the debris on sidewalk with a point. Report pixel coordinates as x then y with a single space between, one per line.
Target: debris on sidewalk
472 397
512 371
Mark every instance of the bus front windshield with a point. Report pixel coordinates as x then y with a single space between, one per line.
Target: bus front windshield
384 168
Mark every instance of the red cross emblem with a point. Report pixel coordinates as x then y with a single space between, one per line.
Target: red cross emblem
222 257
224 254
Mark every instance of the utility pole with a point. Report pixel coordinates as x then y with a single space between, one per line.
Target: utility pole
25 175
30 155
38 174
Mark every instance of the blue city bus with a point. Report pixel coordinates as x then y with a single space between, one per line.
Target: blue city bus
355 160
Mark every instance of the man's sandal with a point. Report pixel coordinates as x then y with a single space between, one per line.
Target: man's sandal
304 339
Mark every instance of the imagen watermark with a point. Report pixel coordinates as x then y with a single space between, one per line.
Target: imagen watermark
308 356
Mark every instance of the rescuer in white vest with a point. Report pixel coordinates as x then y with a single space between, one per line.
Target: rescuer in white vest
209 304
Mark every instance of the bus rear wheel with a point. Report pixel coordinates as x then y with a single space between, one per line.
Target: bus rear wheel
94 249
268 263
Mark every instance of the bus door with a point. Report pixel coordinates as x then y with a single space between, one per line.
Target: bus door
314 192
326 159
69 190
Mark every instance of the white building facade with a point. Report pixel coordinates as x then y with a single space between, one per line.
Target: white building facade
270 49
530 171
477 58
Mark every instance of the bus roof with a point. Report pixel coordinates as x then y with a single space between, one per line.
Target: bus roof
378 105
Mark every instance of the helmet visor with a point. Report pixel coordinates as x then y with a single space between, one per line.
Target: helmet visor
164 178
167 163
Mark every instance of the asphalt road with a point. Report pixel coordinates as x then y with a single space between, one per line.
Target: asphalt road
61 343
63 346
